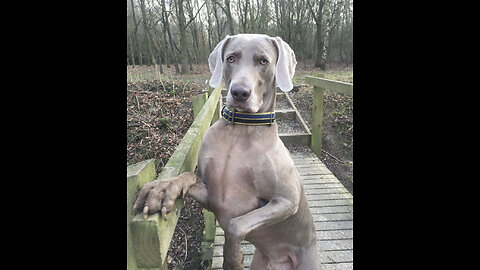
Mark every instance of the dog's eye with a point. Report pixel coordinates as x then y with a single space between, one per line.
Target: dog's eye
263 61
231 59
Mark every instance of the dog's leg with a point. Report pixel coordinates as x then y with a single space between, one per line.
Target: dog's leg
273 212
160 195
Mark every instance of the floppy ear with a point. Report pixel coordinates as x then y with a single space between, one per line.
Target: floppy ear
286 63
215 63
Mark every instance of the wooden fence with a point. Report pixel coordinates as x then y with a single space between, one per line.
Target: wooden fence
148 240
319 86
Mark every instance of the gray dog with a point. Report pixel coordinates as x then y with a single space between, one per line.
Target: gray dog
245 175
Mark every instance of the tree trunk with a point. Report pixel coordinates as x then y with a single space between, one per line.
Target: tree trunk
135 30
167 27
183 39
217 21
147 33
132 52
318 58
229 17
209 29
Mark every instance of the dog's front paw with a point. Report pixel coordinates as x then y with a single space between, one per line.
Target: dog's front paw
160 195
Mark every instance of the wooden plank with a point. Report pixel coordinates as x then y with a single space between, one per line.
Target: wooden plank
331 209
295 138
247 249
318 175
285 114
307 165
338 266
333 225
344 244
330 203
328 190
332 85
314 171
306 184
335 185
333 217
335 234
336 257
330 196
319 179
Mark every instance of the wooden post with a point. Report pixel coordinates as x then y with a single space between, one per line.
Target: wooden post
218 112
198 102
317 120
137 175
208 236
319 87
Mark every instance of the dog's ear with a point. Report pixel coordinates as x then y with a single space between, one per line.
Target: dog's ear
286 63
215 63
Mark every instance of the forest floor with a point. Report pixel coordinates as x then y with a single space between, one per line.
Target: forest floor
159 112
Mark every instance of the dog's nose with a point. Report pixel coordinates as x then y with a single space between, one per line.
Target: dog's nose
240 93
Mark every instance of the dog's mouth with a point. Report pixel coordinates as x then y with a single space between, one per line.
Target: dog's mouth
242 106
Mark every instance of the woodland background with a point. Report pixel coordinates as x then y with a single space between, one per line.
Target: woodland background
168 44
182 33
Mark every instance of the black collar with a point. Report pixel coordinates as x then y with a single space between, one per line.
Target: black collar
251 119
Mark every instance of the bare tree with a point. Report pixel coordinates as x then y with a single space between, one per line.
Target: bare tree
183 39
183 31
135 31
147 32
317 12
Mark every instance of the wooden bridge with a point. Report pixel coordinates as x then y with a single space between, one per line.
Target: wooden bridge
330 203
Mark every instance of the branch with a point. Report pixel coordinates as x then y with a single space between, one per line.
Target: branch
220 6
180 52
194 16
334 157
312 12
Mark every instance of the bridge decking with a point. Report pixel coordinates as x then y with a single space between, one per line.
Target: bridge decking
332 209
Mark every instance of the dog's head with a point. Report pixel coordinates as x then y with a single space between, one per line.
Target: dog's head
249 65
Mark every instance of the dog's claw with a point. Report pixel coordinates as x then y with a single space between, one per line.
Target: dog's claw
145 212
164 213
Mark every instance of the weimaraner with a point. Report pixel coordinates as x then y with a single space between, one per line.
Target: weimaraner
245 175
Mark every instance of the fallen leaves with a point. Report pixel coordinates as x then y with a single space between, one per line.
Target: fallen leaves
159 113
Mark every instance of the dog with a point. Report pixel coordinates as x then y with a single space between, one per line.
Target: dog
245 174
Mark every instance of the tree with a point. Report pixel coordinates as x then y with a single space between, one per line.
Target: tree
317 12
140 57
146 32
183 32
183 39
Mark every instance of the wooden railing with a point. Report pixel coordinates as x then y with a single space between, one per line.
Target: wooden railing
148 240
319 86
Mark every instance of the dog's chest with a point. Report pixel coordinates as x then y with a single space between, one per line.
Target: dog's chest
238 180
